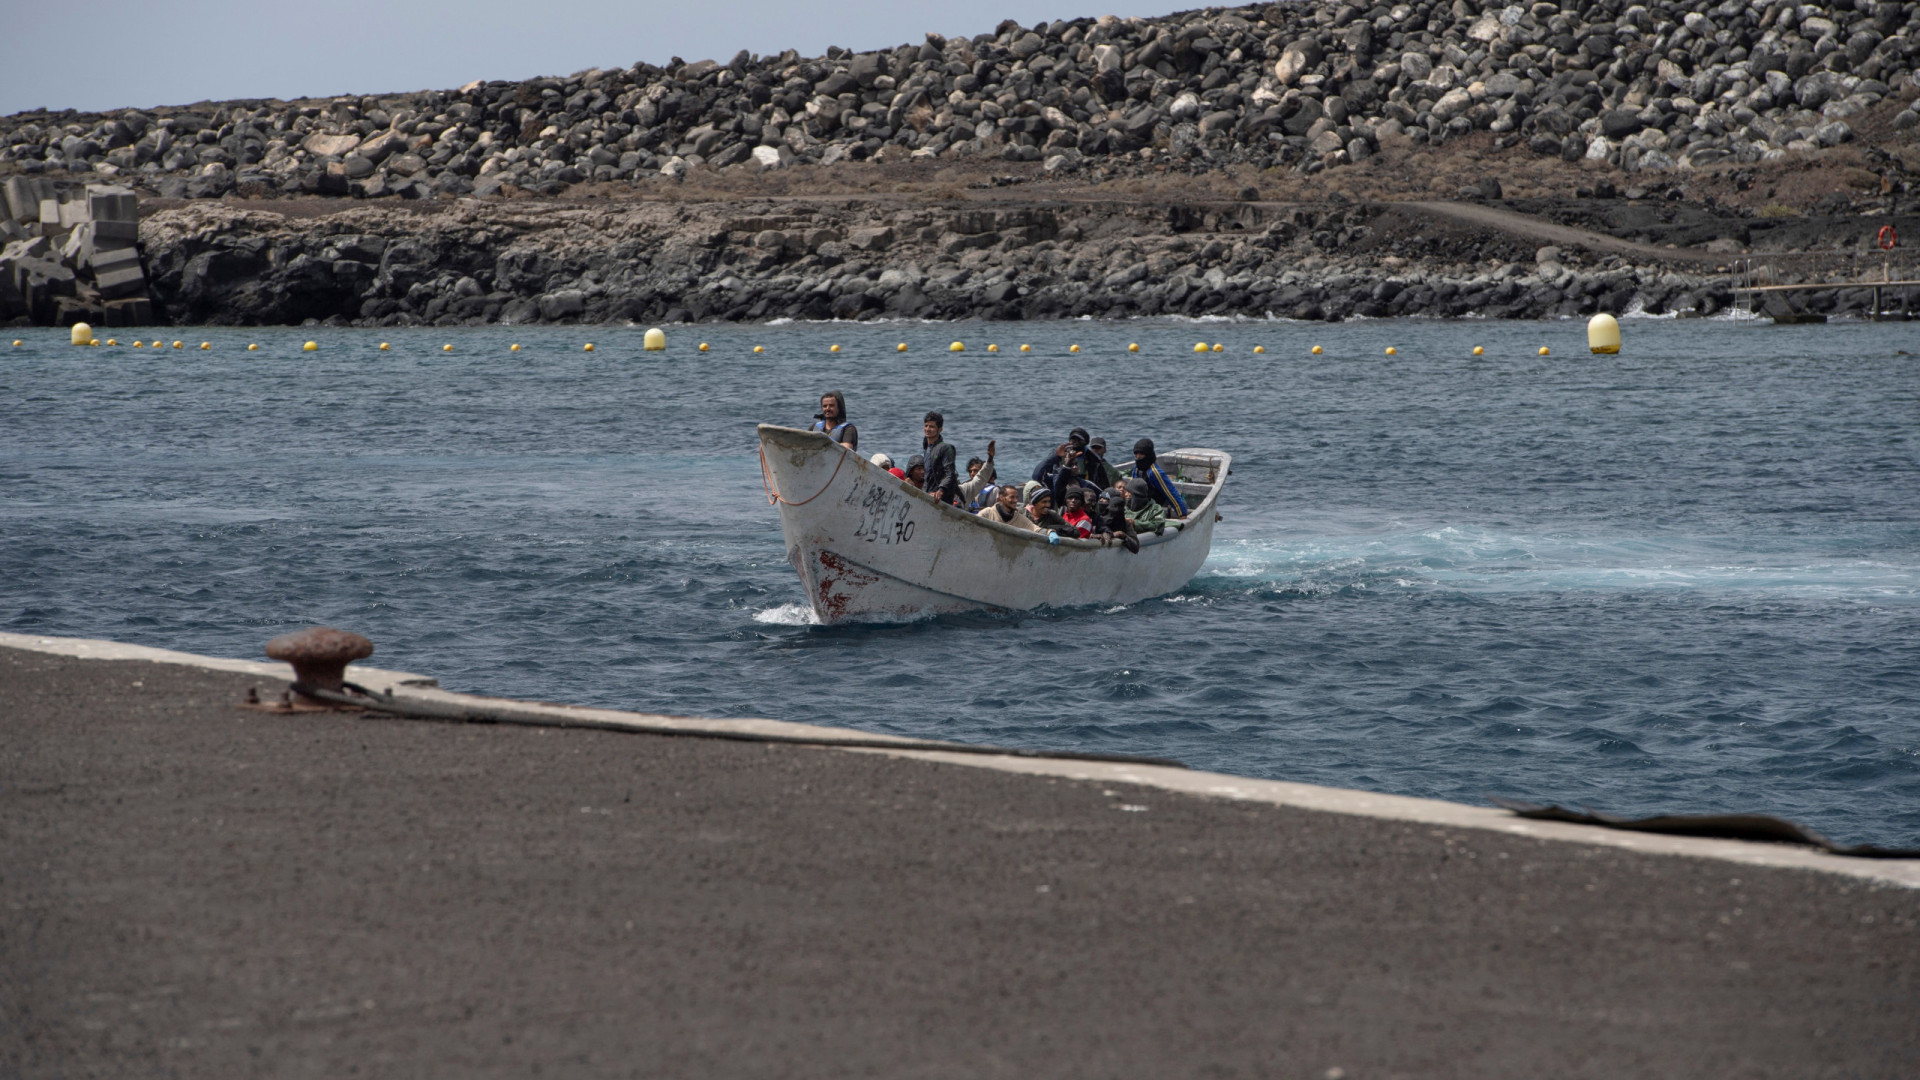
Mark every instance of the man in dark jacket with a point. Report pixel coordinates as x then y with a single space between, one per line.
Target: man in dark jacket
943 476
1159 487
1097 469
1068 467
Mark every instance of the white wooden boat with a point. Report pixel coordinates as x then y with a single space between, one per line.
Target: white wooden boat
867 543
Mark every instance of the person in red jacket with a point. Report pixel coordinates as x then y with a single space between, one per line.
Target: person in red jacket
1079 522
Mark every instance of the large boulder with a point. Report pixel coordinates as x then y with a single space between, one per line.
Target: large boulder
565 302
381 146
1298 58
867 67
326 145
1453 103
1619 123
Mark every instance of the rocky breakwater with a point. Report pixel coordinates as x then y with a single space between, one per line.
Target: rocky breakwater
525 261
1639 86
69 255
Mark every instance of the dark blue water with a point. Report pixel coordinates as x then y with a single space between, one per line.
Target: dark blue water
1682 579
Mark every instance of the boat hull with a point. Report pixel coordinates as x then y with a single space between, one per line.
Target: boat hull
866 544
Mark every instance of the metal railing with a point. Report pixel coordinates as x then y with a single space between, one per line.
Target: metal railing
1893 276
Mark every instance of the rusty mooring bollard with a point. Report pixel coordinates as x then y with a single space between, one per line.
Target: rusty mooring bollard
320 655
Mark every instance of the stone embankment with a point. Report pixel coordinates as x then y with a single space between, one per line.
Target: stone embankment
1639 86
527 261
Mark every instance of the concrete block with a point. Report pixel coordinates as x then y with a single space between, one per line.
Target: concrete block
117 233
135 312
73 309
78 246
23 203
108 202
35 247
31 273
49 210
106 260
121 282
12 301
72 212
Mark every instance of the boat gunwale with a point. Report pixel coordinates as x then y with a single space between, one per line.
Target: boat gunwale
1072 543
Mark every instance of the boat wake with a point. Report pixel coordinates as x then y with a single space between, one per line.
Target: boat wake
1492 561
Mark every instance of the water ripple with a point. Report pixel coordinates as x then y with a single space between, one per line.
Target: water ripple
1680 579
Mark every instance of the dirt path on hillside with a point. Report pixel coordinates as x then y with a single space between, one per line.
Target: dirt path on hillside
1533 228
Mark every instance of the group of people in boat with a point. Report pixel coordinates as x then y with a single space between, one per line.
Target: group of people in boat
1075 492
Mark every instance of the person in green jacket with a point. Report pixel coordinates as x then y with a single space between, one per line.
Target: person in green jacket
1146 515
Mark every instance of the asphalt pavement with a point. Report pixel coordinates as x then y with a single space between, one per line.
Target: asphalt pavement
190 888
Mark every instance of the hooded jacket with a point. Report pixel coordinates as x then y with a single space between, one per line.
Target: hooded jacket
1159 486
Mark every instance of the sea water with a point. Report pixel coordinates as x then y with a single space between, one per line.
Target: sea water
1681 579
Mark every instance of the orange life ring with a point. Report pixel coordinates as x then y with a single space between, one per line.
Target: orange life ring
1888 238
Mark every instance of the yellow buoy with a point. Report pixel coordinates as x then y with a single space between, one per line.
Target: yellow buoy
993 348
1479 351
1026 348
515 347
1603 334
82 333
1316 350
588 347
250 348
311 346
1199 346
95 341
176 344
383 346
138 345
1133 346
1073 348
1259 348
830 348
902 347
1217 347
704 346
113 341
759 348
655 341
448 347
1391 351
16 343
1544 351
957 347
208 345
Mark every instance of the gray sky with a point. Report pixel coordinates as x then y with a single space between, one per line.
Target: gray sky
117 53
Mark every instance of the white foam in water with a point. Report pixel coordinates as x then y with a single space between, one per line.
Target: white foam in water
802 615
787 615
1489 561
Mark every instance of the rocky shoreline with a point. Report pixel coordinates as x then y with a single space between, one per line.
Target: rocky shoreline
474 262
1250 161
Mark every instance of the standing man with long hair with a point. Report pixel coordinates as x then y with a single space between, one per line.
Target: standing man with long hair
832 419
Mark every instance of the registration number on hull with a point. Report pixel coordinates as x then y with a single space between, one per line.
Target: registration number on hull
885 513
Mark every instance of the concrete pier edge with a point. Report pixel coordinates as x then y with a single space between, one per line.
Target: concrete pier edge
1899 872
